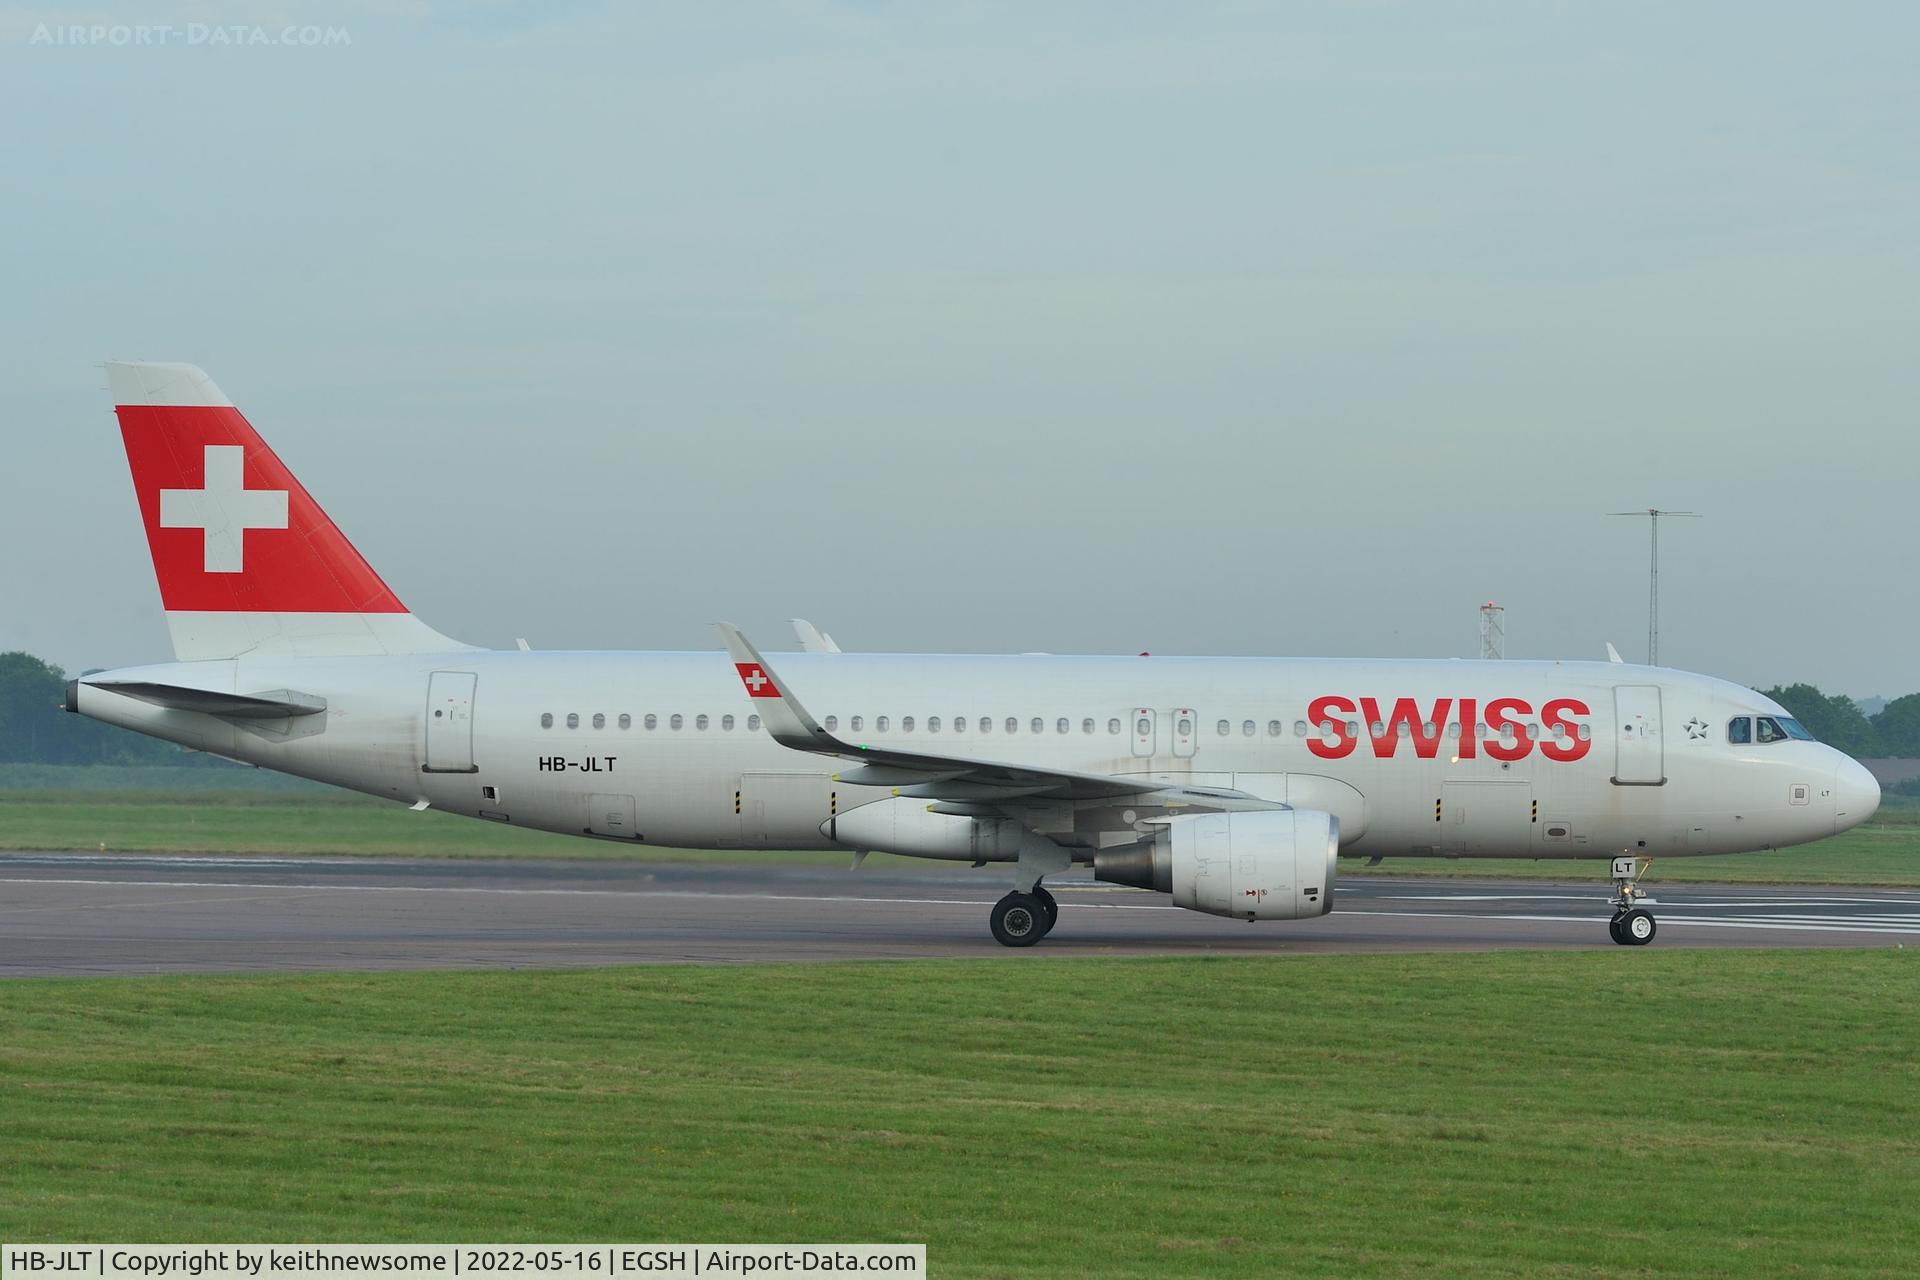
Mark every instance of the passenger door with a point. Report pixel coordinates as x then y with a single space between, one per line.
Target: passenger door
1639 753
450 722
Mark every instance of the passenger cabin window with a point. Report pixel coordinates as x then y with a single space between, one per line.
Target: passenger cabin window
726 722
906 724
1143 727
880 724
676 720
599 720
833 722
573 720
753 722
1038 725
933 724
1274 727
1061 725
1223 728
626 721
700 721
652 721
853 724
1246 728
1086 726
546 719
1113 725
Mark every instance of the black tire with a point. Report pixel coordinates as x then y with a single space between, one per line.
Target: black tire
1613 931
1019 920
1052 907
1637 927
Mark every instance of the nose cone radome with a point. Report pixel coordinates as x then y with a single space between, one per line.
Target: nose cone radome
1856 795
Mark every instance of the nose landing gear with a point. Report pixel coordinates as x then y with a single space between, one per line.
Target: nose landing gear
1632 925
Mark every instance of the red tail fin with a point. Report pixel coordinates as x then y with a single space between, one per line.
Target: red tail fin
246 559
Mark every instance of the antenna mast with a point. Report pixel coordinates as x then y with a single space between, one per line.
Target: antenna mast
1652 515
1493 631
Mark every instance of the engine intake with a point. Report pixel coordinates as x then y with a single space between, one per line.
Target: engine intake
1268 865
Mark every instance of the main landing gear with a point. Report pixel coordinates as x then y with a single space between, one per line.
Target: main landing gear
1022 919
1632 924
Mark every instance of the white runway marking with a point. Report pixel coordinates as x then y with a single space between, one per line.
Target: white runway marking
1672 917
1827 924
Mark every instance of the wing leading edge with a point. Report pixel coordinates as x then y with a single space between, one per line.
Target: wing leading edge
953 779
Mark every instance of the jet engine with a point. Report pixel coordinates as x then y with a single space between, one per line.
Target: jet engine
1267 865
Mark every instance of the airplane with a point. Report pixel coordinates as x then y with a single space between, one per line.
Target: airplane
1231 784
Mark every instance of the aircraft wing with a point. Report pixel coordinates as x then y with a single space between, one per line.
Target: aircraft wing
960 779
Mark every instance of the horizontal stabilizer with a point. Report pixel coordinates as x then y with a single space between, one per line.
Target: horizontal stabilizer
274 704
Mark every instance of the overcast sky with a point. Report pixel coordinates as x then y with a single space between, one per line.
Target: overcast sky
1195 328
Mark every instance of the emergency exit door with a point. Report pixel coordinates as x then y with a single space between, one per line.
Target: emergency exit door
1639 751
450 722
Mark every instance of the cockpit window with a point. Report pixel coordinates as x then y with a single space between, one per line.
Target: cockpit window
1740 730
1795 729
1770 729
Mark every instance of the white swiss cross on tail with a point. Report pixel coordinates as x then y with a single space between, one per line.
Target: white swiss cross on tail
759 685
223 509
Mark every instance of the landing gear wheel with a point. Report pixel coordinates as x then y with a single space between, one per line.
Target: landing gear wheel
1051 907
1637 928
1019 920
1632 925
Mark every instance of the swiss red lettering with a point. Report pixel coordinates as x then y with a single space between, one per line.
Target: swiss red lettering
1559 714
1505 724
1426 734
1322 710
1504 714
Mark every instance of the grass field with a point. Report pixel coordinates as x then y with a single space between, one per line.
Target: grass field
205 811
1591 1114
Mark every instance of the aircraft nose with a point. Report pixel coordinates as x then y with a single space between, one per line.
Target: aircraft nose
1856 794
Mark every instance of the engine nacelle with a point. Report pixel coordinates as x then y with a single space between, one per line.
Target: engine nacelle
1268 865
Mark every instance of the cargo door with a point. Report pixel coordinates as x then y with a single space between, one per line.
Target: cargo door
450 722
611 815
1486 819
1639 753
785 810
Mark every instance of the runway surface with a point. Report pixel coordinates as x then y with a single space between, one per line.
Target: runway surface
75 914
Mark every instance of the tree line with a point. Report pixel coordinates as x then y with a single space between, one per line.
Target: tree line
1835 719
34 729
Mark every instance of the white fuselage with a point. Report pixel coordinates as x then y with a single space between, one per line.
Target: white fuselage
659 748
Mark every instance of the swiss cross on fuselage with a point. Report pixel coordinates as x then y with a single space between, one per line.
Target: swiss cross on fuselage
223 508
